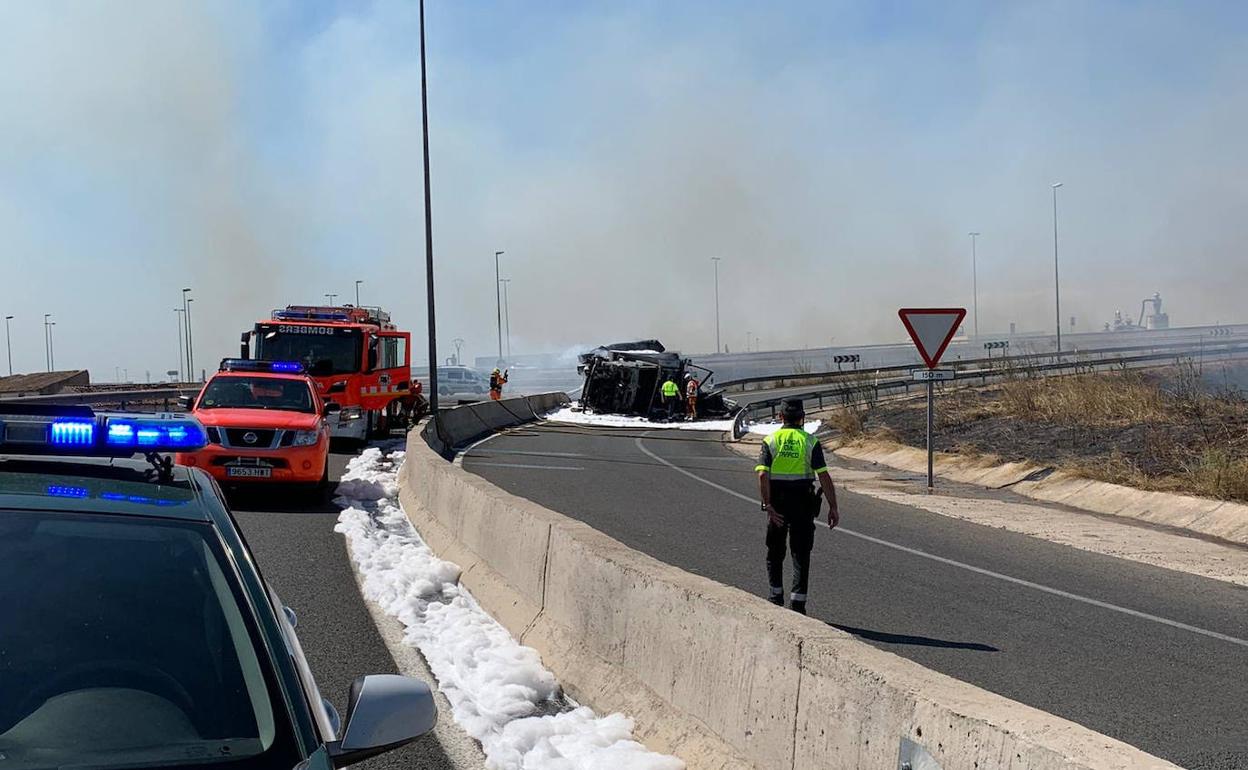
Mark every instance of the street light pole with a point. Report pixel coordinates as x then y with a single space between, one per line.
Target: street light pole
1057 285
747 341
186 332
498 302
47 342
357 293
330 297
718 347
8 344
181 355
975 284
51 346
507 314
190 344
433 329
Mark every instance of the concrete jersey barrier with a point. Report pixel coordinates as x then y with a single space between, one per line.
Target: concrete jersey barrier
717 676
453 429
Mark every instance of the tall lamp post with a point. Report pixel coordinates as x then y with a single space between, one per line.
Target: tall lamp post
747 341
330 298
506 315
190 348
974 284
433 327
1057 285
498 302
8 344
181 354
51 347
47 341
186 331
718 348
357 293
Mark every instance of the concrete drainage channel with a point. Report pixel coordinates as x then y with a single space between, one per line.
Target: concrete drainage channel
766 689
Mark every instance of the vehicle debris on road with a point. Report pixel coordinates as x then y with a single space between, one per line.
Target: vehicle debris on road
628 377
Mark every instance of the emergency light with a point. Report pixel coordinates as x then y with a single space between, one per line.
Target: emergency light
79 431
252 365
310 314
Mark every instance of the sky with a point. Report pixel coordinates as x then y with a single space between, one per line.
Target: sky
834 155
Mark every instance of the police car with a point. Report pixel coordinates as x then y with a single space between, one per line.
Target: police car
135 627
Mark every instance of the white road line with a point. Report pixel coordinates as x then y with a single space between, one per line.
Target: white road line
476 462
970 567
533 453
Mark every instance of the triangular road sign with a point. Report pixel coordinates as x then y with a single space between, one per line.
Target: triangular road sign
932 329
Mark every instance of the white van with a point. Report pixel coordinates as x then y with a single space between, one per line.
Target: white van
457 383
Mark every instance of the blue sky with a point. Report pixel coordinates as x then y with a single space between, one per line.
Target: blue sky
833 154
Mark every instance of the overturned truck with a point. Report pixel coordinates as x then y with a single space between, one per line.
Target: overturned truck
627 378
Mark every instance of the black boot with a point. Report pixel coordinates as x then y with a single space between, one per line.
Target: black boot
798 607
778 600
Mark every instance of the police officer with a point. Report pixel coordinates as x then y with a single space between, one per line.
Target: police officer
788 465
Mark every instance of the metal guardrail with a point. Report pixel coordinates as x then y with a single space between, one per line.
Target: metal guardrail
1161 346
1002 368
166 396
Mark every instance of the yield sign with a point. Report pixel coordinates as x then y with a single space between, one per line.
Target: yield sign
932 329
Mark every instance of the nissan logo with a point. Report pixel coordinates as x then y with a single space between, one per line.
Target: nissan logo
250 437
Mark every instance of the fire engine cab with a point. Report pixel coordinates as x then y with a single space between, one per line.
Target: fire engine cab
356 356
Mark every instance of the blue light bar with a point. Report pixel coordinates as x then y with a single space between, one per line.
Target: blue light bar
155 433
309 315
252 365
71 433
77 431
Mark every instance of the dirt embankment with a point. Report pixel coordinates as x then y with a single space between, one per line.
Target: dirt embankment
1181 429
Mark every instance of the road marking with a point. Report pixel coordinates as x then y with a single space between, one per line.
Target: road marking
530 453
476 462
971 567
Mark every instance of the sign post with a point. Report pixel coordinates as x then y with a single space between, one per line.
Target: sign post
932 330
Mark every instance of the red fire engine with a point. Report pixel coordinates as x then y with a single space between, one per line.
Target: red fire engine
357 357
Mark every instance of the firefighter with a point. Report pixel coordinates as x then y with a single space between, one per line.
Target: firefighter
498 378
671 397
788 464
691 397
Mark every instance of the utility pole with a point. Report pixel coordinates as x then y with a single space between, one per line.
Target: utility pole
1057 285
507 315
498 301
974 284
51 347
357 293
433 326
718 348
8 343
747 341
181 353
458 342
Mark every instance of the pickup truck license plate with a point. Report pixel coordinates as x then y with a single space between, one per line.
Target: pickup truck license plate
249 473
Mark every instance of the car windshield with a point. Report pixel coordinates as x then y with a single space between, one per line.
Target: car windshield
257 393
322 349
125 644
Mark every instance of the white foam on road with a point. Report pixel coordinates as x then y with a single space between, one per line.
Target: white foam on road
573 414
498 689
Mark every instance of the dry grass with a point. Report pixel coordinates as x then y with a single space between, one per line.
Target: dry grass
1158 430
848 422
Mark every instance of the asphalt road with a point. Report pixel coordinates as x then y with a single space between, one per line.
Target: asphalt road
1155 658
306 563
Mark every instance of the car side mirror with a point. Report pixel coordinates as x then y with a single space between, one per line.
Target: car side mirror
185 402
332 408
372 359
384 712
338 387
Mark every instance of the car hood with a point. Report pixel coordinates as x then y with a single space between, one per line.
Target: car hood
257 418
